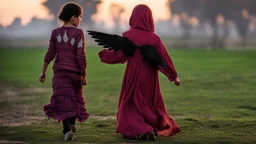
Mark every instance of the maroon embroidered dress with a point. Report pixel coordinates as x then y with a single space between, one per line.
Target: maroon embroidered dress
141 107
67 46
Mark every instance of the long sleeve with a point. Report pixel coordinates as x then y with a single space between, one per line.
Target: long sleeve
169 71
112 57
81 55
50 54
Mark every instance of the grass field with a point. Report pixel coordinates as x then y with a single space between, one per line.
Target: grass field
216 102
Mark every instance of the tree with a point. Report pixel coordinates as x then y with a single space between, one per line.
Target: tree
208 10
186 26
89 8
1 30
116 10
184 8
16 23
242 22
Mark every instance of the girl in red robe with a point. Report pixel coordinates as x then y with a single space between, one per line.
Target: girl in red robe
141 110
67 47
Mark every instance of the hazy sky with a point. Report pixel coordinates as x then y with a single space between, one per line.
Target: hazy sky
26 9
158 7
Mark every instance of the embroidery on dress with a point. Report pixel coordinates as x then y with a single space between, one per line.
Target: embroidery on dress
56 57
80 44
59 38
72 41
65 37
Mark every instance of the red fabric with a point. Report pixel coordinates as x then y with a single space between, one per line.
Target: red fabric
141 107
67 100
67 56
67 46
142 18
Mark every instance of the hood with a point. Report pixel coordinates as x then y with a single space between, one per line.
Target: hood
142 18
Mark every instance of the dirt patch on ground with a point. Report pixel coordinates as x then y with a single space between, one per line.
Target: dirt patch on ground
103 117
10 142
10 93
37 90
20 115
17 113
17 117
7 93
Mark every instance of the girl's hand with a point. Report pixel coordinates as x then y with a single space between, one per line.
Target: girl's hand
177 81
83 80
42 77
83 77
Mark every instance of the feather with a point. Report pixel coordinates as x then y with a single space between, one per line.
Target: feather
116 42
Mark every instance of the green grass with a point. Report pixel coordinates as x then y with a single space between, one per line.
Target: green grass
98 131
216 102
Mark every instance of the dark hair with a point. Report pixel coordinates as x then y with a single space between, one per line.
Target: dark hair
68 10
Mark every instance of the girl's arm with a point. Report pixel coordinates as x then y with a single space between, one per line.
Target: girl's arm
50 54
80 53
43 74
169 71
81 56
112 57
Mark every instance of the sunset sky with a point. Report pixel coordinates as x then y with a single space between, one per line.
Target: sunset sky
26 9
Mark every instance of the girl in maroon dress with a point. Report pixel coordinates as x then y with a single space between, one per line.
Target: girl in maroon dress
141 110
67 48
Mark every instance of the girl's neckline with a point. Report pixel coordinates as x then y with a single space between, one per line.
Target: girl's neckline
67 27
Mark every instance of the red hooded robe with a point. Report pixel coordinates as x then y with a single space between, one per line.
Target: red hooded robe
141 107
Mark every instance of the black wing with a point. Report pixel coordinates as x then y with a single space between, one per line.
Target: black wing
113 42
151 55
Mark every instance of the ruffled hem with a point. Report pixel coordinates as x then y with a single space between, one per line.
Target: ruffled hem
51 113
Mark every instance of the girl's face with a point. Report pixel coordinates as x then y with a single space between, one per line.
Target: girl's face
76 21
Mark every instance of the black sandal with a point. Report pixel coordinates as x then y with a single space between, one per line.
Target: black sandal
150 136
